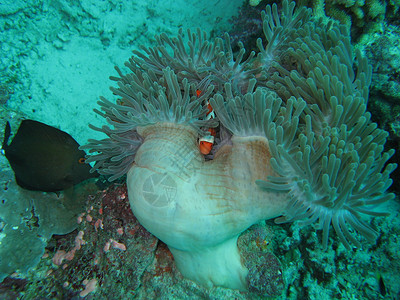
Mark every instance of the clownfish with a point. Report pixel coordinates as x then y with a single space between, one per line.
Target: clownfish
206 142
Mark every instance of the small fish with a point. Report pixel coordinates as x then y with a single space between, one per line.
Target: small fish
381 285
45 158
198 93
206 144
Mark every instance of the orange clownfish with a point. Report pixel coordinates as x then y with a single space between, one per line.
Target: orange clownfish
206 142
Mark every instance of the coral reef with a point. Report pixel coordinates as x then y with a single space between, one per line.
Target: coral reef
382 50
111 255
361 15
303 146
146 269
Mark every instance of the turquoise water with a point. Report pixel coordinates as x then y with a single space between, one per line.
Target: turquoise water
56 59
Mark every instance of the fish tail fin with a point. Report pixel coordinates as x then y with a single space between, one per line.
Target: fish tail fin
7 133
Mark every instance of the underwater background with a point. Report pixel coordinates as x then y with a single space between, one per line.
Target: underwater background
56 60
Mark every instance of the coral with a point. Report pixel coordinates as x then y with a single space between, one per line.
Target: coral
246 28
265 270
383 51
80 264
29 219
362 16
302 144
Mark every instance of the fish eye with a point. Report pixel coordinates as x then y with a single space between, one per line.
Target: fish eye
82 160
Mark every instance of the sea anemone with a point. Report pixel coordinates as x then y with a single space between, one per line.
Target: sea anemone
302 145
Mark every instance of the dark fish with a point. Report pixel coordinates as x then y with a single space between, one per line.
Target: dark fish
45 158
382 287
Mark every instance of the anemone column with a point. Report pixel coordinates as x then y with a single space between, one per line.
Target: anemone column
199 208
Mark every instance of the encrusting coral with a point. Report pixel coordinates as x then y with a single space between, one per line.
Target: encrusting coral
294 140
